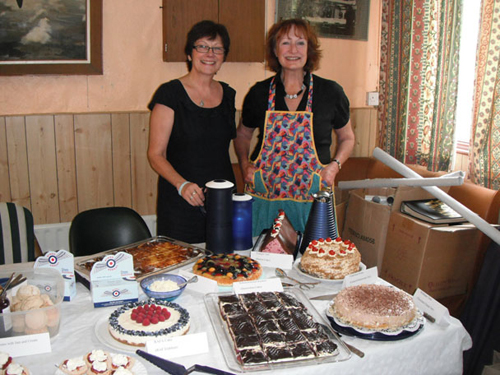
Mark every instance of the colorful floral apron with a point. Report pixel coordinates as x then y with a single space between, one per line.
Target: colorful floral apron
288 166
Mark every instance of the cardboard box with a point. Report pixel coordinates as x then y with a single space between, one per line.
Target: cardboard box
341 198
366 221
439 259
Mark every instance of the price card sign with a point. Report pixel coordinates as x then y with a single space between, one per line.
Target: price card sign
62 261
369 276
204 285
267 285
432 308
19 346
179 346
113 281
284 261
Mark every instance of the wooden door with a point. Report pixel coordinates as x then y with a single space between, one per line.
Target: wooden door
178 18
244 19
245 22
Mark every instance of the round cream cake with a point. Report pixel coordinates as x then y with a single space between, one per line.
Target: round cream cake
330 259
138 322
373 306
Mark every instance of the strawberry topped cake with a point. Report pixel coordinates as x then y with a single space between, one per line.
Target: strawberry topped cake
330 259
138 322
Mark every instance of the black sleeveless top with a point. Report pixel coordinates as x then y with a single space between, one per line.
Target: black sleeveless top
198 149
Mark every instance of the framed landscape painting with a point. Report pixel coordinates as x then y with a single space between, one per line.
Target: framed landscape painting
346 19
50 37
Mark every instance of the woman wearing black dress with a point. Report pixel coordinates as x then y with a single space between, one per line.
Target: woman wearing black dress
191 126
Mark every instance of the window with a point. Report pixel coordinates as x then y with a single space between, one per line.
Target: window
466 77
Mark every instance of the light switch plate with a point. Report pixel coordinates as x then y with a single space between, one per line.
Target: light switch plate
372 98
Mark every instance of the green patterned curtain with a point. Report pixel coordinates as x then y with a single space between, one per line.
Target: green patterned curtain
418 80
485 137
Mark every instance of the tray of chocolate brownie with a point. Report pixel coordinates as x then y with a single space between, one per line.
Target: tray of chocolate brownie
271 330
151 256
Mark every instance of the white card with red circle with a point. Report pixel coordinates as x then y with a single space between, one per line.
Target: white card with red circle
63 261
113 282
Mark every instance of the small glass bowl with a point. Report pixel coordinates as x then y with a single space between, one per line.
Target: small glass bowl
169 296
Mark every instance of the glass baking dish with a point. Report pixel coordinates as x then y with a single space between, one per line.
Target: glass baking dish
228 348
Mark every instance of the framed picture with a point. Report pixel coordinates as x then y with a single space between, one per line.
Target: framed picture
346 19
50 37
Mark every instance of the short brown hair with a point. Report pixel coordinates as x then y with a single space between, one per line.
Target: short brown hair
209 29
282 28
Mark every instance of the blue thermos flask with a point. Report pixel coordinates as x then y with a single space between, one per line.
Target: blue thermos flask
242 221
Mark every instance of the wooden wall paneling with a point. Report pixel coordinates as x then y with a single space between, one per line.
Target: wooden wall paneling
120 127
40 139
373 129
144 179
66 166
4 164
462 163
362 123
94 169
18 161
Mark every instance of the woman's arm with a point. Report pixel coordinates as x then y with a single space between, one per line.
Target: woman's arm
345 145
160 129
242 149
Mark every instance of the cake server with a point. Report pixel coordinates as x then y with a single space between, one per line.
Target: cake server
177 369
325 297
353 349
282 274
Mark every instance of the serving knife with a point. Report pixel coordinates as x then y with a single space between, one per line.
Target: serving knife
353 349
325 297
177 369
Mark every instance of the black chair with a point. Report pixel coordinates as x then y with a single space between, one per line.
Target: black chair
106 228
17 234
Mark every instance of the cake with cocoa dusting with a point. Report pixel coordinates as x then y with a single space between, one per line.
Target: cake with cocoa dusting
330 259
376 307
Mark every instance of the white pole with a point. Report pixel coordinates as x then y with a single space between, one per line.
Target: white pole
447 180
471 216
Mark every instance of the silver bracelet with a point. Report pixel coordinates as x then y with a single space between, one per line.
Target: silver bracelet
338 163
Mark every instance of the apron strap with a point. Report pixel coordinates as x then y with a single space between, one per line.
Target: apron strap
271 102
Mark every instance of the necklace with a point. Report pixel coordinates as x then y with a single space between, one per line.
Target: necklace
202 103
295 96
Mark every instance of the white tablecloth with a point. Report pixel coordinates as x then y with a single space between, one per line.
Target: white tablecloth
435 350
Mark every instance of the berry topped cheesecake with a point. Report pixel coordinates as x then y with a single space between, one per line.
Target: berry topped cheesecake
138 322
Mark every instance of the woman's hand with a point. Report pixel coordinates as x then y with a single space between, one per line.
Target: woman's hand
248 173
329 173
193 194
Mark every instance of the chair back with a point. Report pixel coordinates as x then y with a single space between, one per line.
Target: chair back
106 228
17 234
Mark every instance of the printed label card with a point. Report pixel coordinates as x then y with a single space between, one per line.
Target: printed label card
432 309
113 281
369 276
63 261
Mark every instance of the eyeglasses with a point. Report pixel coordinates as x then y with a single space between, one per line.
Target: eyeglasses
205 49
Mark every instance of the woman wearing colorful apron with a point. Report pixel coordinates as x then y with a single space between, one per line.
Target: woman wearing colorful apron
295 112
